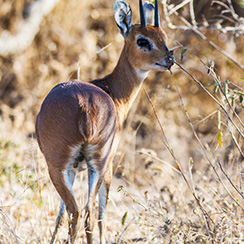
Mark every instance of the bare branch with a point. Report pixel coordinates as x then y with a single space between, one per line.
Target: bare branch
8 225
222 107
193 19
229 9
213 74
228 178
238 29
178 6
210 42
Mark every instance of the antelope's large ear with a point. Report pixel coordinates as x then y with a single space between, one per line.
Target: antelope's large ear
149 12
123 16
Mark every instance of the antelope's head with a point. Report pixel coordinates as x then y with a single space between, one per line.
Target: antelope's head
145 42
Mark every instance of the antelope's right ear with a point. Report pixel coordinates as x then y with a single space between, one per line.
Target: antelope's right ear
123 16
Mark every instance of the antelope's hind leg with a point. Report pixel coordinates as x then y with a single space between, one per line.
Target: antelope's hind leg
63 182
59 222
93 187
97 172
103 198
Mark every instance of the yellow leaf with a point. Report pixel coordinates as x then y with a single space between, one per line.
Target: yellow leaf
220 138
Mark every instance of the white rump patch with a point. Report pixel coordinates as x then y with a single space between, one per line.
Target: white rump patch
74 155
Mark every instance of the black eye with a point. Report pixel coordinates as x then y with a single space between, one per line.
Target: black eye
142 42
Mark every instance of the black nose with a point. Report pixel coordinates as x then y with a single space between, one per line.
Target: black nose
170 58
171 52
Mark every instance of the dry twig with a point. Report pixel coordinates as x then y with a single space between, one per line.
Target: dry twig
206 217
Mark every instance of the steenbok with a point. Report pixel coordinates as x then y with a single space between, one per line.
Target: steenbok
79 124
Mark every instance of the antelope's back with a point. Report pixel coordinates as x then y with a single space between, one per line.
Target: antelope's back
74 113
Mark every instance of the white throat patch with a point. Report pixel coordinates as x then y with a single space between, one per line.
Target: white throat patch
142 74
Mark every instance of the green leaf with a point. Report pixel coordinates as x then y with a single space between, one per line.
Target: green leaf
228 81
120 188
240 98
182 53
225 88
242 79
232 100
215 89
239 93
124 218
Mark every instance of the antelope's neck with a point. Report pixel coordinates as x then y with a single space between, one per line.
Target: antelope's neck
123 85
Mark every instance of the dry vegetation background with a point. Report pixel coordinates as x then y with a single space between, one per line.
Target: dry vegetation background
178 178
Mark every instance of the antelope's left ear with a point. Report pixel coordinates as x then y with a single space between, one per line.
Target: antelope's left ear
123 16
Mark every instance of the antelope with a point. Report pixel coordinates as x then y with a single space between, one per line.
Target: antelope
79 124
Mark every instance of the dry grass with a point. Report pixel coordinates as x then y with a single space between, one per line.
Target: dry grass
155 198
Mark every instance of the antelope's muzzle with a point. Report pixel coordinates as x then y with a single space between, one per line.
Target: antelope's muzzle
170 59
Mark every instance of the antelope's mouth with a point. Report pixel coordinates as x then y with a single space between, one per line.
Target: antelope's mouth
168 62
166 66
